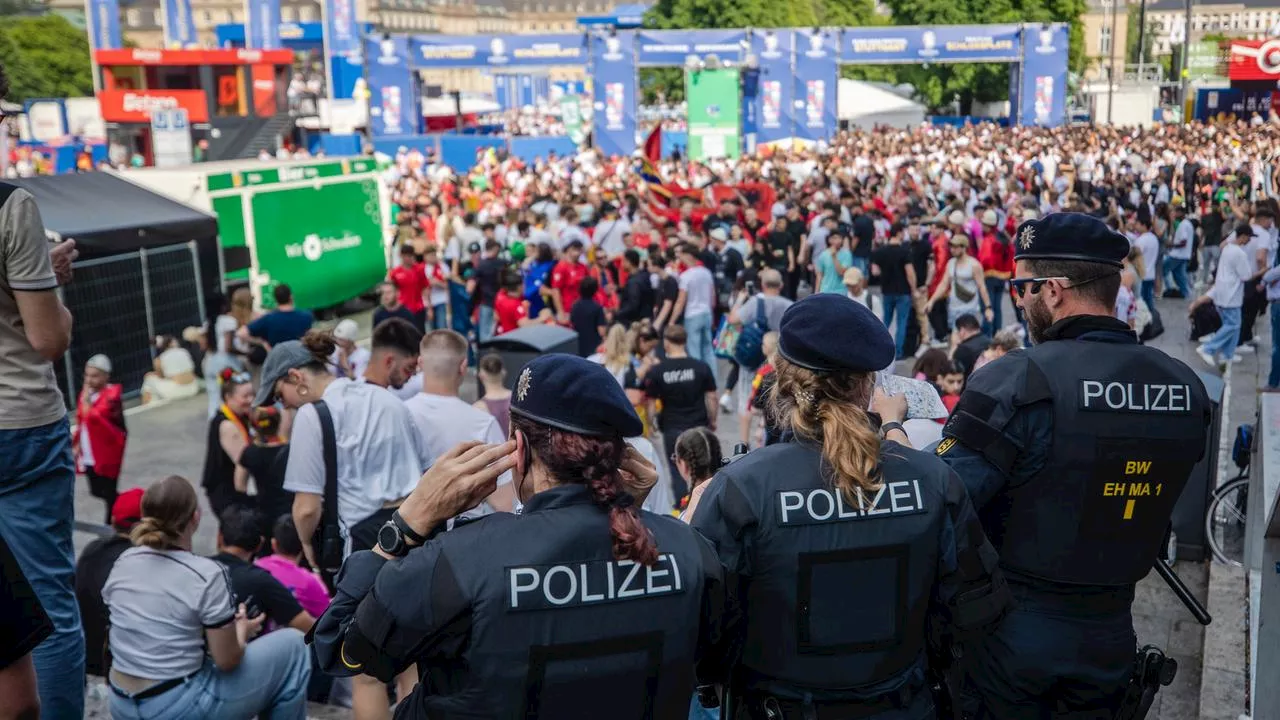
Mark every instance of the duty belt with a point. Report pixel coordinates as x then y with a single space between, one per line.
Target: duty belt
762 706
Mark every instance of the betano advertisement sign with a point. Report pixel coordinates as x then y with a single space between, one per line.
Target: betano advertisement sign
135 106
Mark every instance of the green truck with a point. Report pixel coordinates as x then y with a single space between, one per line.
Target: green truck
322 227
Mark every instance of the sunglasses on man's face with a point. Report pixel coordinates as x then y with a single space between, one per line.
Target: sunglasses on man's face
1018 287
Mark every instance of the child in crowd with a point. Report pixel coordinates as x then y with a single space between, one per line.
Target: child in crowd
932 363
761 384
265 459
587 318
497 398
1004 342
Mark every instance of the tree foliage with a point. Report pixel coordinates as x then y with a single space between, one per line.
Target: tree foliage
936 85
44 56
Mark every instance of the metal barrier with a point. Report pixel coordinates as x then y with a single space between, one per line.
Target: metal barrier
1262 561
121 303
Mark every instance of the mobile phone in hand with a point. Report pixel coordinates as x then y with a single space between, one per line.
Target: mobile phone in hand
251 607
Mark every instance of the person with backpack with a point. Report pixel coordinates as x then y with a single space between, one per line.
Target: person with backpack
756 315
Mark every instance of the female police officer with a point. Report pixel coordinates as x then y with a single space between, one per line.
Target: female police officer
582 605
845 553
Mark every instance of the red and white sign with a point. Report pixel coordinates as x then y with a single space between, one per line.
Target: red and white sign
214 56
1254 60
135 106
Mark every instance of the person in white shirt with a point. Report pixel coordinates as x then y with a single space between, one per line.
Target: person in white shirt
443 420
1179 255
1149 244
610 232
349 360
1227 295
696 301
855 285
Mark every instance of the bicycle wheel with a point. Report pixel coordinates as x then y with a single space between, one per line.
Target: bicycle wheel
1224 521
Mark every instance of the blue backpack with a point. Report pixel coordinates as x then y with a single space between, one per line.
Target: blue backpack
749 351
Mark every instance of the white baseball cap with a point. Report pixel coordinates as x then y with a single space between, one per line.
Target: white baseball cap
347 330
956 217
100 362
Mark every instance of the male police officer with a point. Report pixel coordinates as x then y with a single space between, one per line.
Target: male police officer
1074 452
581 607
844 551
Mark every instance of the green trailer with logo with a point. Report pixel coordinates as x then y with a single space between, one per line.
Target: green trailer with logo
322 227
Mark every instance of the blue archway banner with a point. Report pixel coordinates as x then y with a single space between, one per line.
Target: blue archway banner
1042 96
498 51
774 110
816 80
613 89
940 44
671 47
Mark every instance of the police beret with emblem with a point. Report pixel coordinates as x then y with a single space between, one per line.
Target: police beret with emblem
573 394
1070 236
828 332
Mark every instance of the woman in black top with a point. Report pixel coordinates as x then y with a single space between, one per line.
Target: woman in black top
228 437
265 459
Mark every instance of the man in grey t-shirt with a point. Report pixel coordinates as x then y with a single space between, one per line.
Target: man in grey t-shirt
774 304
37 479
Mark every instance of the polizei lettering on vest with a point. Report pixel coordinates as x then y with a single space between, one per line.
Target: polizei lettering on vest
545 587
1134 397
805 507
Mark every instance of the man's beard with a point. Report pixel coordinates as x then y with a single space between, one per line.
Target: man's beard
1038 319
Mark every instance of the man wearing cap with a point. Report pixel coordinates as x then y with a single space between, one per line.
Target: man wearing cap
1074 451
581 605
845 515
349 360
99 435
92 570
995 252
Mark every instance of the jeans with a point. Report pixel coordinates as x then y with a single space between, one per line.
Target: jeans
1209 255
700 345
271 680
484 332
863 264
440 316
37 509
1223 343
897 308
1148 293
1273 379
1178 268
996 291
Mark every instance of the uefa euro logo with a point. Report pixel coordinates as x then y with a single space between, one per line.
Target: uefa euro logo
815 44
771 44
387 52
497 48
1046 42
929 41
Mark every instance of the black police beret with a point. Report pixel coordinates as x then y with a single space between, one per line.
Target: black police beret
573 394
829 332
1070 236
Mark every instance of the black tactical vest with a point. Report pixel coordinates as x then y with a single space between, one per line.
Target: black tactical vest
1129 424
838 592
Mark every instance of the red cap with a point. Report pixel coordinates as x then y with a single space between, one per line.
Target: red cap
127 509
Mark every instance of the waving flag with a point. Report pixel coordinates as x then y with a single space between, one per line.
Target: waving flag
648 170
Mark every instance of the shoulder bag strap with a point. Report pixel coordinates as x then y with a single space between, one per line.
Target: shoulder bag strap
762 320
329 437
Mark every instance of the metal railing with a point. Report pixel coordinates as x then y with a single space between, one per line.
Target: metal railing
121 303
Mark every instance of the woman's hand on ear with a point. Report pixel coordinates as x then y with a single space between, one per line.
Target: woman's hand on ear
638 474
457 481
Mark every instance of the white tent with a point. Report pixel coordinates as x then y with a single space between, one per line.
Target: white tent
862 104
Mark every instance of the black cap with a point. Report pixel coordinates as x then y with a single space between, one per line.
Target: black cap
1070 236
828 332
573 394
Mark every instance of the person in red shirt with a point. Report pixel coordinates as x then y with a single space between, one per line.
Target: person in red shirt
510 309
99 437
995 252
410 279
566 276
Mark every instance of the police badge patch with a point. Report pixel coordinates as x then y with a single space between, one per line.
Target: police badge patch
522 385
944 446
1026 237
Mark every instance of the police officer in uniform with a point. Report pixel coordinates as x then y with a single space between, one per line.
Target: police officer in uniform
583 606
843 546
1074 451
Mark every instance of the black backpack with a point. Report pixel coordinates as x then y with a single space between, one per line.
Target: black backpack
749 350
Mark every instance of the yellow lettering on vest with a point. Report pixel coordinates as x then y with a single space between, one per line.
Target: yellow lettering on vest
1133 467
1139 489
1128 509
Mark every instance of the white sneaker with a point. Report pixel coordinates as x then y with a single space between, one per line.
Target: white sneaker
1245 349
1206 357
1205 338
1254 341
725 403
1236 359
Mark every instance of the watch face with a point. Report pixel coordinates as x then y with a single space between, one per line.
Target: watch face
389 539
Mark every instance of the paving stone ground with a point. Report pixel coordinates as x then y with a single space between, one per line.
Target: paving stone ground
170 440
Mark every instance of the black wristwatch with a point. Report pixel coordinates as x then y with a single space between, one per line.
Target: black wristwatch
888 427
395 536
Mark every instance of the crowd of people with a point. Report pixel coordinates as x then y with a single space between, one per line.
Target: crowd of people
676 285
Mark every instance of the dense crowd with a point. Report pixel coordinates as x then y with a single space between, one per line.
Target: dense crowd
676 284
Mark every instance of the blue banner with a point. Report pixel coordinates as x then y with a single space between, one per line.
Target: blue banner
774 106
341 31
1042 99
672 47
262 24
452 51
393 104
613 88
816 76
104 25
936 44
179 30
526 90
503 91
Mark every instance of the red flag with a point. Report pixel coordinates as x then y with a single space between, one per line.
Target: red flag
653 145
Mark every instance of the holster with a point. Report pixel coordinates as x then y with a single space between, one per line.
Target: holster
1152 669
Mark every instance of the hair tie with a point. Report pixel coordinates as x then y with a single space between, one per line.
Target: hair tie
623 500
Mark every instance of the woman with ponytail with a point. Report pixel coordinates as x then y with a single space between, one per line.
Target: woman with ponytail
844 545
167 606
228 435
583 605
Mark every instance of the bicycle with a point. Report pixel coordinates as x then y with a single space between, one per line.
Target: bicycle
1224 520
